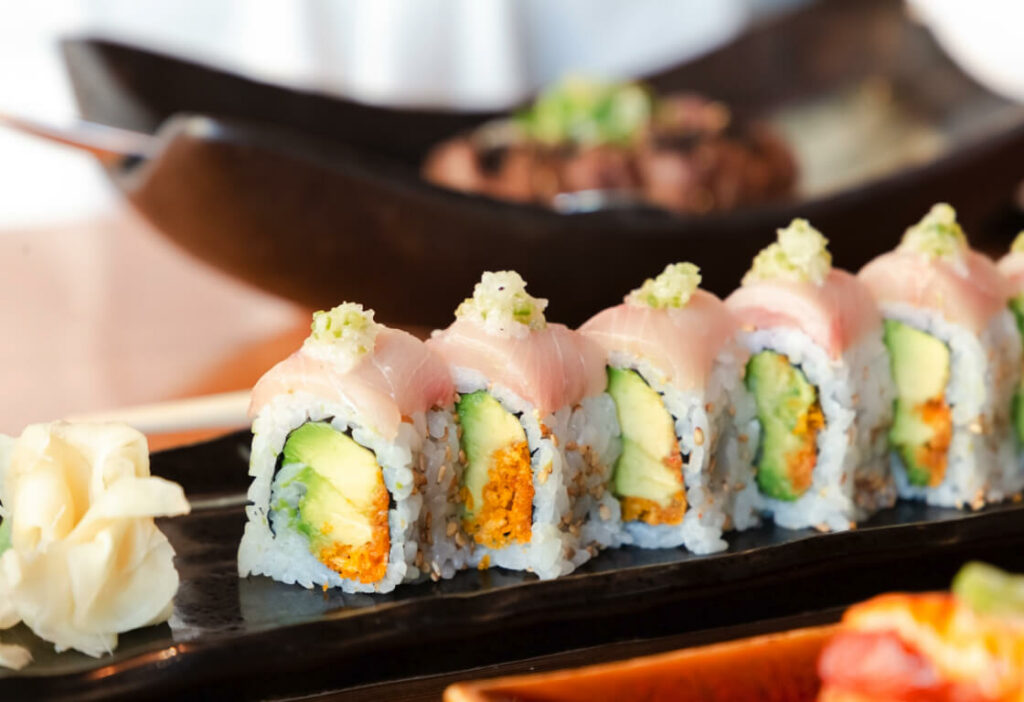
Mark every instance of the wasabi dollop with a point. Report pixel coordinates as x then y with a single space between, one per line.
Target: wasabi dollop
341 335
989 590
587 111
671 289
1018 244
501 305
937 235
800 255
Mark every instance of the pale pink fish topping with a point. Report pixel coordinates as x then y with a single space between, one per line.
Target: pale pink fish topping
549 368
968 292
835 314
680 342
401 377
1012 267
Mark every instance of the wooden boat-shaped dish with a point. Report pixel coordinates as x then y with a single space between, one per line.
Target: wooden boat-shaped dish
319 199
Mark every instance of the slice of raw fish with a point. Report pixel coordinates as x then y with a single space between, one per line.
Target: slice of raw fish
967 292
550 367
680 342
1012 267
401 377
835 314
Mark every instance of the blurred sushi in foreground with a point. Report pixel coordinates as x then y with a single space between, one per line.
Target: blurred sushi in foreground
819 376
967 645
675 372
537 430
352 460
956 357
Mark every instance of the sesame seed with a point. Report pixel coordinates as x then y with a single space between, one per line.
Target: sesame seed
604 512
460 539
743 438
709 407
451 529
570 446
554 440
698 436
441 471
462 456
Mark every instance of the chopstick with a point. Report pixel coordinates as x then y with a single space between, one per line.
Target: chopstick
109 144
228 410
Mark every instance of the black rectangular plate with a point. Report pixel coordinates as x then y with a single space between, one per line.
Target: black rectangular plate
255 638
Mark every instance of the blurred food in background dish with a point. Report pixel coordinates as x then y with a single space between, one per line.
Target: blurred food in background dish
682 152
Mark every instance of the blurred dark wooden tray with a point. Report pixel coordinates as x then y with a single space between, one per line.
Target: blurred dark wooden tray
258 639
319 199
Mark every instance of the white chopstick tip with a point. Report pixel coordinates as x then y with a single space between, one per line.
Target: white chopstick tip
227 410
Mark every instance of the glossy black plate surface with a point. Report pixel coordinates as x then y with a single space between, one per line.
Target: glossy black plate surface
319 199
256 638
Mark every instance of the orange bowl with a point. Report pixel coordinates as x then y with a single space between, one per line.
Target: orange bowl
771 668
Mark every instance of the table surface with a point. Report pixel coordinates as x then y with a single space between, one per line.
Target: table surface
107 314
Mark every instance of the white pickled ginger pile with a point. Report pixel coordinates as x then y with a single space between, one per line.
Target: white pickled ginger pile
80 557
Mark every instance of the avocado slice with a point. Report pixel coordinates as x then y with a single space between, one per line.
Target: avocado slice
922 421
648 476
344 509
790 417
497 483
1017 409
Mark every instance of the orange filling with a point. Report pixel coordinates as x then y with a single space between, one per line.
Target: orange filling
934 454
367 562
640 509
506 515
800 463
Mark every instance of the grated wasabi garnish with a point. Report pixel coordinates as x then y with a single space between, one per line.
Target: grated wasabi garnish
672 288
1018 243
937 235
800 255
501 304
588 112
342 335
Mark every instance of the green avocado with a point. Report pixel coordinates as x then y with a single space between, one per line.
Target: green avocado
786 402
5 534
920 369
1017 307
648 438
487 428
342 481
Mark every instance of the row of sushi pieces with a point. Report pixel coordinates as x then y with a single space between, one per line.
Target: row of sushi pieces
811 396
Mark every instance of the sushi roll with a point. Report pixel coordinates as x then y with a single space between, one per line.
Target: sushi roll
353 460
1012 268
538 434
675 371
955 362
819 375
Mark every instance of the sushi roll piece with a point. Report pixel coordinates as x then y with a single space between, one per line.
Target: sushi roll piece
538 433
675 371
354 460
819 374
1012 268
956 357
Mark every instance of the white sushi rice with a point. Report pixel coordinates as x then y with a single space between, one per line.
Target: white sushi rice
271 547
851 477
717 432
568 482
984 372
